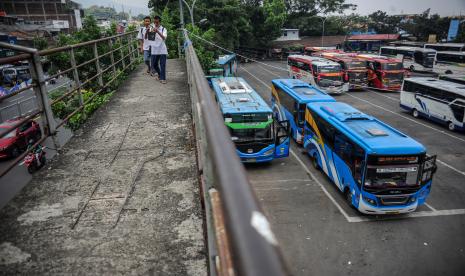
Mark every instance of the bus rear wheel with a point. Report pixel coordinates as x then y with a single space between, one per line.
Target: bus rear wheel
451 126
415 113
412 68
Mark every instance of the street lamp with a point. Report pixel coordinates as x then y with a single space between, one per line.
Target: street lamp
191 10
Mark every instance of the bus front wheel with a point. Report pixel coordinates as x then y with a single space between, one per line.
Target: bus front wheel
412 68
451 126
415 113
315 162
349 198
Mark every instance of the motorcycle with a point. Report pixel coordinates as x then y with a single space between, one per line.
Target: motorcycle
31 161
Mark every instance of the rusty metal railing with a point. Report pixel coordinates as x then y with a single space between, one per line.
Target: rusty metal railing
240 241
124 46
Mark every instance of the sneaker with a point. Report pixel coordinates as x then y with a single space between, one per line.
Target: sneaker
163 81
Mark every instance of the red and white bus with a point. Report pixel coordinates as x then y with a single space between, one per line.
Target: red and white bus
322 73
384 73
354 68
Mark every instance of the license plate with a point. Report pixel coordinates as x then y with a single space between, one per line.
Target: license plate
251 160
392 212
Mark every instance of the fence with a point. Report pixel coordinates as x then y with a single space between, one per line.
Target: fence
94 65
240 241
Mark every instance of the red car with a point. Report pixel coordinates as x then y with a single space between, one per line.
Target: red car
17 140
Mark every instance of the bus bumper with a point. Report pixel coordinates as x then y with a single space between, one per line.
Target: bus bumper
265 155
366 208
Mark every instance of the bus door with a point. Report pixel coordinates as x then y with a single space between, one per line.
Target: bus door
282 138
429 169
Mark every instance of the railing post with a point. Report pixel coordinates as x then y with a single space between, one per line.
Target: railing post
49 124
112 57
76 77
97 65
122 52
132 57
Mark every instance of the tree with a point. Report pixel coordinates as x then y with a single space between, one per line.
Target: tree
304 14
40 43
382 23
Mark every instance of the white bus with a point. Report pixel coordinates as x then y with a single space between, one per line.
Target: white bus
414 58
322 73
454 47
438 100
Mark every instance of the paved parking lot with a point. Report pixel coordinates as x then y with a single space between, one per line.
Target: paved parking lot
321 235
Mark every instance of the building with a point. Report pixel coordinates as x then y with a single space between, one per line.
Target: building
62 14
289 34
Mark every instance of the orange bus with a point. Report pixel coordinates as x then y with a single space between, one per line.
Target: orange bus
384 73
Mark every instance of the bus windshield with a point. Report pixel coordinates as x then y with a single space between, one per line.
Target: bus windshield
356 65
391 176
392 66
392 172
251 134
329 69
249 126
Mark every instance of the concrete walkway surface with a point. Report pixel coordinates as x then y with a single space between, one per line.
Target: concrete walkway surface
121 198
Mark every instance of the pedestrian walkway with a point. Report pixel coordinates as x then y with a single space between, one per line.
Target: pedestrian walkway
121 198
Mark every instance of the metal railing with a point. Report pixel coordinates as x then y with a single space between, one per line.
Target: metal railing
120 53
240 241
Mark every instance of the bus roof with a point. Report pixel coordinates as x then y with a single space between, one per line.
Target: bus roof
453 78
378 58
319 61
222 60
452 53
446 44
410 48
440 84
302 91
234 95
368 132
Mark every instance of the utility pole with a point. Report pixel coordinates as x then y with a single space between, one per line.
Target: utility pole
323 31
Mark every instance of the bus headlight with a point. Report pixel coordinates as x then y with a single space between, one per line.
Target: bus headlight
369 200
269 152
412 199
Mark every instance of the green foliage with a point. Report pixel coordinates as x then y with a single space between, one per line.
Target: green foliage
61 61
172 39
206 55
40 43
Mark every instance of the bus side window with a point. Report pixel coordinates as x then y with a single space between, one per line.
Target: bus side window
343 147
359 158
326 130
314 70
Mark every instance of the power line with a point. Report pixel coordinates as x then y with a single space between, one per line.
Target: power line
232 52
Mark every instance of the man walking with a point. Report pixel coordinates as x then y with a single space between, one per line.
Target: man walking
159 50
144 42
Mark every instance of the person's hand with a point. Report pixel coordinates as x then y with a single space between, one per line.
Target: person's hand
141 50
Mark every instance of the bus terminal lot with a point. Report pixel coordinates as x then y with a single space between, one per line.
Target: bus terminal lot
321 235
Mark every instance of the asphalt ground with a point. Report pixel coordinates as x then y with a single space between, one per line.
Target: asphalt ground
321 235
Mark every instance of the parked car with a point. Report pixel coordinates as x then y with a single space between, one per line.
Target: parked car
17 140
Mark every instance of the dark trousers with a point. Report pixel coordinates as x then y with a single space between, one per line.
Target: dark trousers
159 65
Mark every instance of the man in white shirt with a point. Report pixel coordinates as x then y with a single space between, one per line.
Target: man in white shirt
144 42
159 50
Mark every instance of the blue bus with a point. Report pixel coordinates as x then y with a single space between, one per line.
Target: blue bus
379 169
227 67
289 98
257 135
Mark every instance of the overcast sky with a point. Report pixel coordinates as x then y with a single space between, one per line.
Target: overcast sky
442 7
